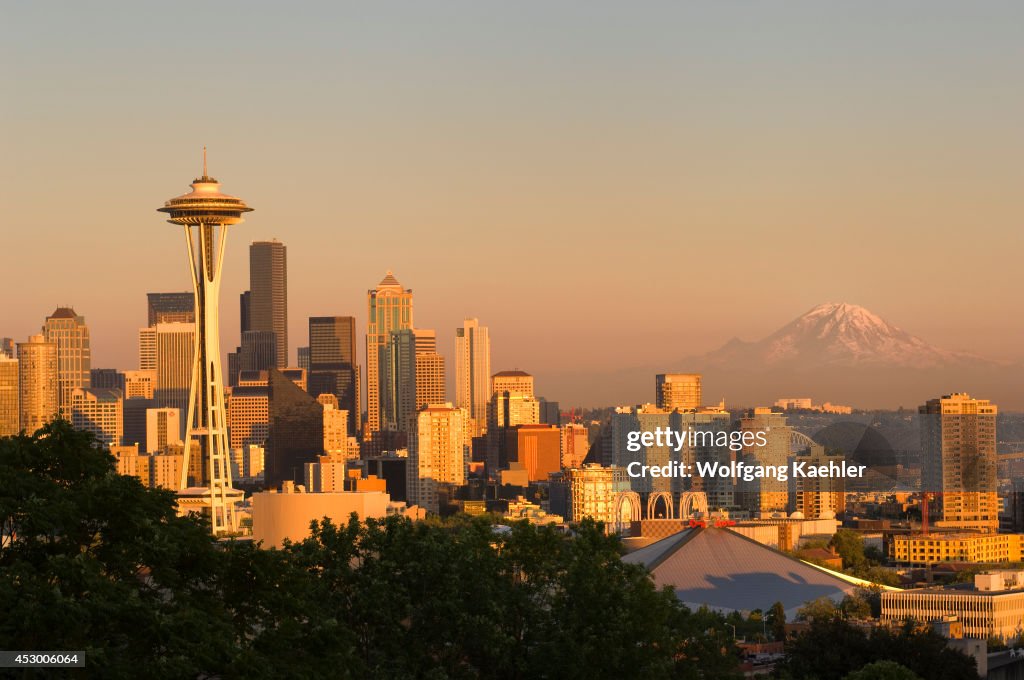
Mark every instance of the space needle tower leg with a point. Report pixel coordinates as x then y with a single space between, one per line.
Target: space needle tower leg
206 214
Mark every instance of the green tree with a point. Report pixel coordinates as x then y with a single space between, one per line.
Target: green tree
777 621
92 560
883 670
850 547
821 609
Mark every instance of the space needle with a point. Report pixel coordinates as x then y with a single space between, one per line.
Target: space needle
206 214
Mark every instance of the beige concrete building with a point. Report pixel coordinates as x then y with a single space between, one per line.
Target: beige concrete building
163 428
958 436
680 391
925 549
325 475
437 454
100 412
992 606
68 331
287 515
140 384
248 408
473 373
337 442
37 380
10 400
593 492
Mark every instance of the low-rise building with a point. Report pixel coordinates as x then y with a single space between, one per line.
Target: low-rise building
926 549
991 606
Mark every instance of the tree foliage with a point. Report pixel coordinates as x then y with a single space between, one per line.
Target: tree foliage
832 649
93 561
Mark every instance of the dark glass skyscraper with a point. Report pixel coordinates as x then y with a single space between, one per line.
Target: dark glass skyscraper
332 363
296 432
268 287
171 308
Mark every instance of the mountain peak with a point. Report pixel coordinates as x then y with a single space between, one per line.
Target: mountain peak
838 334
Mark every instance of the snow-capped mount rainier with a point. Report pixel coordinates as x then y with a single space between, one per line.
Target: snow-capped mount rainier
837 334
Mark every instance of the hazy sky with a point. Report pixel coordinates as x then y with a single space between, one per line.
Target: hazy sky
603 184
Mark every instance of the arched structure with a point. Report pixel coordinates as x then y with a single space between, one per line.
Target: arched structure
798 442
652 502
626 509
691 502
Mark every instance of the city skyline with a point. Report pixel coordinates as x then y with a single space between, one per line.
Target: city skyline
809 169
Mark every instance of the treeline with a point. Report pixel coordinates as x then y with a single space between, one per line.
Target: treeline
93 561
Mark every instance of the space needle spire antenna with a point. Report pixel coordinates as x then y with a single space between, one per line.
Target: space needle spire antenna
206 213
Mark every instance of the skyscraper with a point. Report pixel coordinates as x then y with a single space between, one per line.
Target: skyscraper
107 379
473 372
958 441
244 311
7 347
512 403
99 411
437 454
9 398
147 348
175 358
37 380
68 331
268 286
258 351
678 391
332 363
206 214
170 308
296 433
415 374
389 308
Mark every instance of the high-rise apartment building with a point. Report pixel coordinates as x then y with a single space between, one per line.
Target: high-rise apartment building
37 380
10 414
68 331
592 492
819 497
332 363
437 454
958 438
678 391
7 347
99 411
763 496
473 372
170 308
268 286
175 354
337 442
